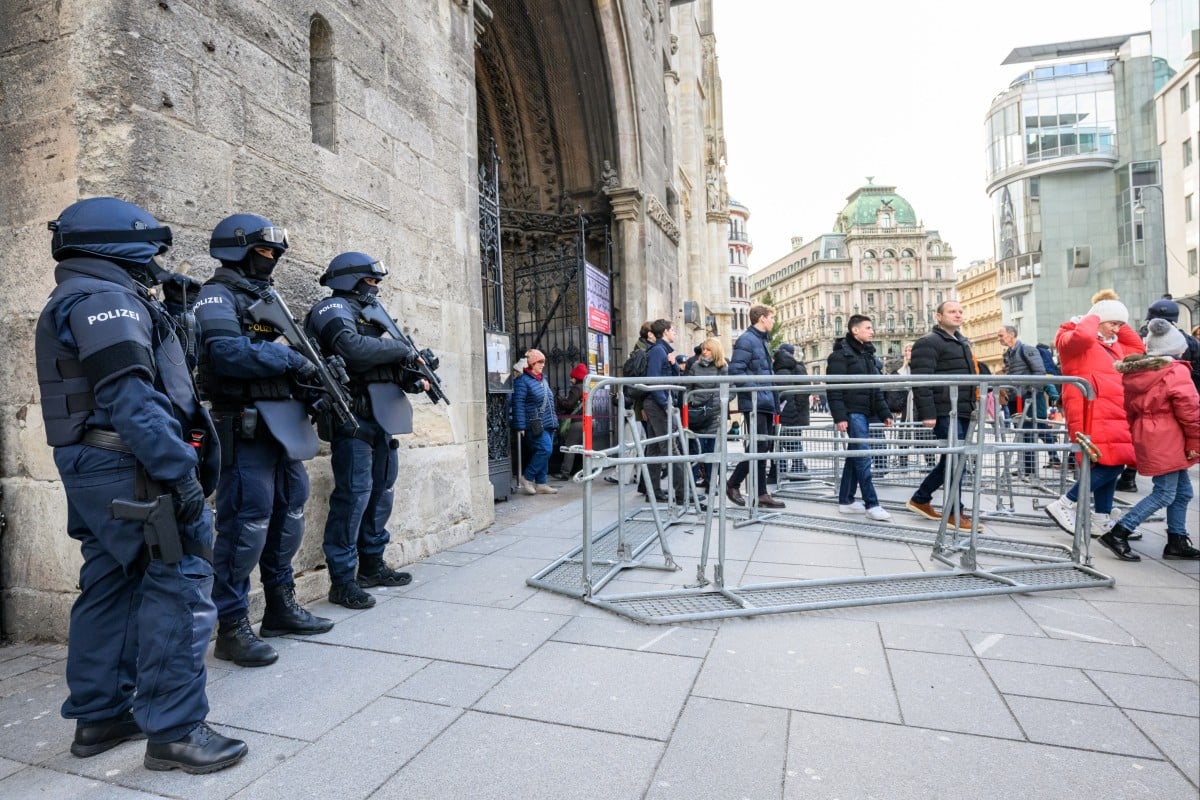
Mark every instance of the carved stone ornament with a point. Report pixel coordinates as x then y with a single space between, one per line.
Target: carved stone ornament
657 212
608 176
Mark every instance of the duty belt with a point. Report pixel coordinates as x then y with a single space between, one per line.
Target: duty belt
109 440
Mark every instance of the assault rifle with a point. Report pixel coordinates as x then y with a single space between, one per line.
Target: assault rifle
373 312
271 309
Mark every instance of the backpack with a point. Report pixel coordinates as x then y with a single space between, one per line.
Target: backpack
1048 360
635 367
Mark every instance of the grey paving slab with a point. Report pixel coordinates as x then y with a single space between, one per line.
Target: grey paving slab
881 548
827 761
8 767
760 572
31 727
9 651
542 549
489 637
452 558
16 666
36 782
924 638
490 757
801 662
1089 727
122 766
950 693
615 631
31 680
1070 653
739 544
1063 618
1148 572
1038 680
492 581
996 614
306 692
560 604
357 757
823 555
1177 737
1172 633
891 566
1150 694
720 749
485 543
449 684
599 688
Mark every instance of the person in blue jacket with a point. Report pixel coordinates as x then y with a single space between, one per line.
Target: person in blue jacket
752 356
254 384
364 460
122 415
661 363
533 413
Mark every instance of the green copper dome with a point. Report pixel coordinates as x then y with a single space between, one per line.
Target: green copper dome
864 205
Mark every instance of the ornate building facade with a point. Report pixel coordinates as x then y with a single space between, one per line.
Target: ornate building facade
879 261
535 173
982 314
740 247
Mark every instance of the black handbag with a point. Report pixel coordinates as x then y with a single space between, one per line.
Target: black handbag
536 427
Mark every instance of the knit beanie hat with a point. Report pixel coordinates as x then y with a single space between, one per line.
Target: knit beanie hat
1164 339
1108 307
580 372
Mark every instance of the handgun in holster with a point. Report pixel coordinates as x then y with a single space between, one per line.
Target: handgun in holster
158 525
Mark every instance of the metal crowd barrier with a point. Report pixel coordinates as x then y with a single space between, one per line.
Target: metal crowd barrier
606 550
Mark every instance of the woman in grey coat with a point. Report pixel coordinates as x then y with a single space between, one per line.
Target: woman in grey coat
705 415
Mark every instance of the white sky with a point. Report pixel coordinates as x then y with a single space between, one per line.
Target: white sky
819 95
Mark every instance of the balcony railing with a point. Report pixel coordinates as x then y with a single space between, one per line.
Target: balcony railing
739 236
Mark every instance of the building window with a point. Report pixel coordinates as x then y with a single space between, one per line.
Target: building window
869 273
885 220
837 301
908 299
1192 265
1187 152
1185 97
936 250
870 300
1189 203
837 326
869 254
322 94
937 274
908 272
887 272
891 299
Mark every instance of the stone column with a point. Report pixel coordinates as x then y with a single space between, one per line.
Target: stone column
630 265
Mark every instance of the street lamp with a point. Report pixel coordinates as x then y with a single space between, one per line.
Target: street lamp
1139 211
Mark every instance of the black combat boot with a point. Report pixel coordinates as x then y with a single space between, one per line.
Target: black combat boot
1180 546
284 615
349 594
1117 540
236 642
374 571
93 738
200 752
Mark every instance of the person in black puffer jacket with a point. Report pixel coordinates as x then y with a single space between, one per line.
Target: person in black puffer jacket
793 413
853 409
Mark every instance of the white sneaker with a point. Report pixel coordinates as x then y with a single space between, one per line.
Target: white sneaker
852 508
1062 511
878 513
1101 524
545 488
526 485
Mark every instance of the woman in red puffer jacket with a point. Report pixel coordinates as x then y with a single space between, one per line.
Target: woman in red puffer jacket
1088 347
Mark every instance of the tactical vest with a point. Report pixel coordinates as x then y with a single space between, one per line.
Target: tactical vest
68 399
226 393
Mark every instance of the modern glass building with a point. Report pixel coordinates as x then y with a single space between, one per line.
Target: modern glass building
1070 144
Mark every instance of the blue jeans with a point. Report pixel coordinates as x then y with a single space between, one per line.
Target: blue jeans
538 468
1104 486
1173 492
937 476
856 472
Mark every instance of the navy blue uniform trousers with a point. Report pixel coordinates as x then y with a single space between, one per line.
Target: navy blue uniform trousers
364 477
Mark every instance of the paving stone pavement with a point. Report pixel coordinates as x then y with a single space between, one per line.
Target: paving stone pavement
471 684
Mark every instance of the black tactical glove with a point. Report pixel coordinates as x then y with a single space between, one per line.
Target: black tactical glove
305 370
431 360
180 291
337 368
189 500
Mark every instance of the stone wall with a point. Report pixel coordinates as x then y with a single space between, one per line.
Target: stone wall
196 110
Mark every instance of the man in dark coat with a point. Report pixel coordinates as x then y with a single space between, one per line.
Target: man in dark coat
942 351
794 411
852 409
752 356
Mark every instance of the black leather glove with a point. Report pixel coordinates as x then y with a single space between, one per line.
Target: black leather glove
305 370
180 290
189 500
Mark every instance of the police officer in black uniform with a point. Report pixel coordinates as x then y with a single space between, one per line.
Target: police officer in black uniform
254 384
127 429
364 461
